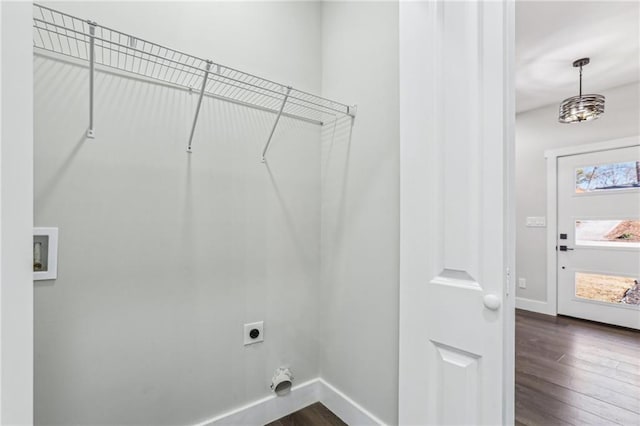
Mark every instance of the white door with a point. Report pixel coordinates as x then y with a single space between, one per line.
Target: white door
599 236
456 132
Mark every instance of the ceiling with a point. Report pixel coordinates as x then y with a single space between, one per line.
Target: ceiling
550 35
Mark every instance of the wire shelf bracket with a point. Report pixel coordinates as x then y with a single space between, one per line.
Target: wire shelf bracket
107 49
92 63
202 88
275 124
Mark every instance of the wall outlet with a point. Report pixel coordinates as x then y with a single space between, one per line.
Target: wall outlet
522 283
253 333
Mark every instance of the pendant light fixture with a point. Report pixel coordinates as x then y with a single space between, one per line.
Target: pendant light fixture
582 107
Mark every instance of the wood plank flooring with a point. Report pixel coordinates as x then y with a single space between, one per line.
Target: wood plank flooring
313 415
574 372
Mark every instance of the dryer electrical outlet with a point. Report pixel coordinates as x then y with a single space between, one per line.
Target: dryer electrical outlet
253 333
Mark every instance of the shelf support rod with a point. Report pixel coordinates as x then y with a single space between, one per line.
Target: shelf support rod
195 119
275 124
92 62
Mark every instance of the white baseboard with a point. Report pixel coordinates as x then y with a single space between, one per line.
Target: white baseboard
534 306
273 407
344 407
270 408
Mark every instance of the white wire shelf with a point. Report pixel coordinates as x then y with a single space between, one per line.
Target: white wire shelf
67 35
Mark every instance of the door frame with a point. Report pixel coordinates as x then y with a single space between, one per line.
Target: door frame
551 157
16 213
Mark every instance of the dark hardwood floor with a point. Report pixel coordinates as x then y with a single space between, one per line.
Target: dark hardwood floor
574 372
313 415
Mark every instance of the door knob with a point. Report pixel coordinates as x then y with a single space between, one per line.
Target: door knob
491 301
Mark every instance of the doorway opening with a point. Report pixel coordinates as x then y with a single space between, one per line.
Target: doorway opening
577 216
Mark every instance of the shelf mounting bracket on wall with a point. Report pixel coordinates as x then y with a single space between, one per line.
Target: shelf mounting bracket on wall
92 62
195 119
275 124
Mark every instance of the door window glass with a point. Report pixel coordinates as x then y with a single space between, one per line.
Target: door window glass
607 288
608 177
608 233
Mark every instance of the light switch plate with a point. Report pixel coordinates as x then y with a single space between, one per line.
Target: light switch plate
536 221
522 283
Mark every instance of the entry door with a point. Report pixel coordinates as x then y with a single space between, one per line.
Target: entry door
456 135
599 236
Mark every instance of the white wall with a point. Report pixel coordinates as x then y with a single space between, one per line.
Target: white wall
16 220
538 130
163 256
360 203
